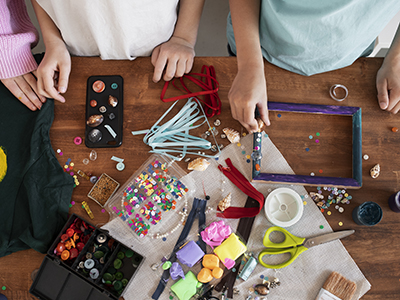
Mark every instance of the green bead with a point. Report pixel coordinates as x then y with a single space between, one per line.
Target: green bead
117 264
129 253
167 265
124 281
119 275
120 255
107 276
98 254
118 285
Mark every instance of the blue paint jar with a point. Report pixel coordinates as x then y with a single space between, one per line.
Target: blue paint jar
394 202
369 214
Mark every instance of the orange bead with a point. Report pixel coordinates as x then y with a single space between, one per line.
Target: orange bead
395 129
65 255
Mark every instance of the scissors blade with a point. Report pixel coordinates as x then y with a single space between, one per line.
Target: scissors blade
325 238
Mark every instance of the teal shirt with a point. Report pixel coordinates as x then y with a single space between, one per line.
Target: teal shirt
315 36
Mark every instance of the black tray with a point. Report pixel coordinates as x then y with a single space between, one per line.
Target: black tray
63 280
113 85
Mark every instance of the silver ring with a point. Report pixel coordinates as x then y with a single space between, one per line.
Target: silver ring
333 94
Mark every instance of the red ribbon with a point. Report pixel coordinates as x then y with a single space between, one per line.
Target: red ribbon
212 102
245 186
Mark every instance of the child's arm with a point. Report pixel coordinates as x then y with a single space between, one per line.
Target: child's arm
53 71
17 36
177 54
249 88
388 78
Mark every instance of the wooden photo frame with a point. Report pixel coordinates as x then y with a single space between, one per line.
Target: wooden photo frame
355 182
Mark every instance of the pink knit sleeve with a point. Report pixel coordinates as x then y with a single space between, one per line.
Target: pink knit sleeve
17 36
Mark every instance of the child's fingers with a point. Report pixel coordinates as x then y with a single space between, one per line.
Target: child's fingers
383 97
154 55
249 120
171 69
189 65
181 68
48 87
394 100
28 92
12 86
63 76
159 67
263 110
32 81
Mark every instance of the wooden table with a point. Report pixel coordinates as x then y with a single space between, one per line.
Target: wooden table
375 249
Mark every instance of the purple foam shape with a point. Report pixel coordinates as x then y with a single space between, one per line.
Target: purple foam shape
190 254
176 271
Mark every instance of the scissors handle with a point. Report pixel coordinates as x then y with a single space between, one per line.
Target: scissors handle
290 239
294 253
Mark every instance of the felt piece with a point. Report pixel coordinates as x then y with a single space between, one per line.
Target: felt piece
205 275
190 254
184 289
176 271
230 250
210 261
35 192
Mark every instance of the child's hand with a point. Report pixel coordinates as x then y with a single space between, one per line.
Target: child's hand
24 88
388 86
53 72
249 90
176 56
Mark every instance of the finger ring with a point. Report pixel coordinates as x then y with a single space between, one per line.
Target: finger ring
338 92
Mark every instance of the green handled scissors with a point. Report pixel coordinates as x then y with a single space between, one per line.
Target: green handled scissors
294 245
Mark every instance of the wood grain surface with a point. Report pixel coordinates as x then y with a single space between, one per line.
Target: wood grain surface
374 249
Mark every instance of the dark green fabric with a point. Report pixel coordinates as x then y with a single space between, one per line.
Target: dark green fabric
35 192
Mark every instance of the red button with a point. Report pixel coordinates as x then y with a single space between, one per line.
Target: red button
70 232
64 237
74 253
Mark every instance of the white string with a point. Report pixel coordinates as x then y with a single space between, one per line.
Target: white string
173 136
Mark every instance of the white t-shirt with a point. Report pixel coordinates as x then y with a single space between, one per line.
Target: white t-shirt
113 29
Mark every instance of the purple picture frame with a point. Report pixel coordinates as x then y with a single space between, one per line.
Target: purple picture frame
355 182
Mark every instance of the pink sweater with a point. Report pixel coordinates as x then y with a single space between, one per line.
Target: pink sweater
17 37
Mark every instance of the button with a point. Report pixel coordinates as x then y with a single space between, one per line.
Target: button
65 255
120 166
98 86
94 273
89 263
93 103
114 86
101 238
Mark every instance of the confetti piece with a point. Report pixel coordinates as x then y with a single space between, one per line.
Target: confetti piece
317 134
239 144
321 226
317 141
312 174
304 202
320 171
307 149
329 213
279 115
310 137
340 223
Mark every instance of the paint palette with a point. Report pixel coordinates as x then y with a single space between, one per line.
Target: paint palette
104 111
152 203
